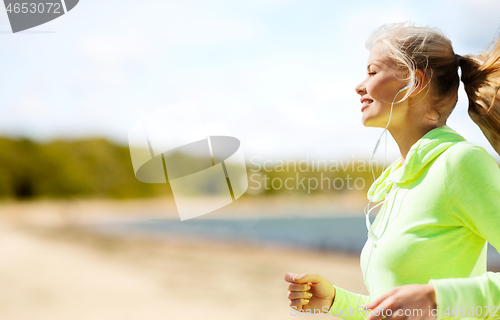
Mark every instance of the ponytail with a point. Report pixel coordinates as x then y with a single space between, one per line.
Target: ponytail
481 79
429 50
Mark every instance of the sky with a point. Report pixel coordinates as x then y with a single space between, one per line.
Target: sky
279 75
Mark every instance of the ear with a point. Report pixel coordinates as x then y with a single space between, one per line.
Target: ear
420 82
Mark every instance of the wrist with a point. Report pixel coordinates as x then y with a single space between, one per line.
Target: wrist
432 292
334 291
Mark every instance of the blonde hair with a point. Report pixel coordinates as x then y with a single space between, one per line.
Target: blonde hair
429 50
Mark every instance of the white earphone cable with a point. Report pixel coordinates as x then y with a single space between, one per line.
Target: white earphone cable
371 234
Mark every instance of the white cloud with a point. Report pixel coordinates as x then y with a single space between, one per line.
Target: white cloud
115 49
359 25
475 3
260 3
108 54
328 90
32 106
300 116
200 24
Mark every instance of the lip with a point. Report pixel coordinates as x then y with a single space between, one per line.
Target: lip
363 103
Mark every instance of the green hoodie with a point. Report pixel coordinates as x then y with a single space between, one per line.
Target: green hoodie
440 208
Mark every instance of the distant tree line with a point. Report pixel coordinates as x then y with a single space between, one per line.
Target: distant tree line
99 168
65 169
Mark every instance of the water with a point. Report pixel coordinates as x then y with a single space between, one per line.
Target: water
346 234
342 234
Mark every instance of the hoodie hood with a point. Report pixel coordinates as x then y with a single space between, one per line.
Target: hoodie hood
423 152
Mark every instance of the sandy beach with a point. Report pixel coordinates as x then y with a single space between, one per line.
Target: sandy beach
53 269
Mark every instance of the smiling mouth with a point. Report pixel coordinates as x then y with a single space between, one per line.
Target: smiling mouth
366 104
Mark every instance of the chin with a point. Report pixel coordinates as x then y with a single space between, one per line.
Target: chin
367 122
370 123
377 120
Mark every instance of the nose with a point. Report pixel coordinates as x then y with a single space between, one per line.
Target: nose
360 88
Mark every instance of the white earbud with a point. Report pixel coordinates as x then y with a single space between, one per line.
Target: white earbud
404 88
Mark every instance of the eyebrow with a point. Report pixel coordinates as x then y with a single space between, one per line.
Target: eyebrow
373 62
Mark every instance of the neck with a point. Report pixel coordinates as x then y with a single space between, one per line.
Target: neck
413 125
407 136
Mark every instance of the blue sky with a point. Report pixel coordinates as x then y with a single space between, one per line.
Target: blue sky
279 75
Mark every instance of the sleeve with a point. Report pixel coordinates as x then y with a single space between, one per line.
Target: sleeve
347 305
472 185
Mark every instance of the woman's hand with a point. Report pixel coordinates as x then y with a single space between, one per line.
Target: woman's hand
310 292
413 301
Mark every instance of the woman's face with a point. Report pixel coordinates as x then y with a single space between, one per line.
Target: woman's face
378 90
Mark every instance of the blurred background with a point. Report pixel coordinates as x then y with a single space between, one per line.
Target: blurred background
81 238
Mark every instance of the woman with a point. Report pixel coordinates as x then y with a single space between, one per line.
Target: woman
425 257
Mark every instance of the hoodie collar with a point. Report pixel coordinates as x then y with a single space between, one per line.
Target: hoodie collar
423 152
